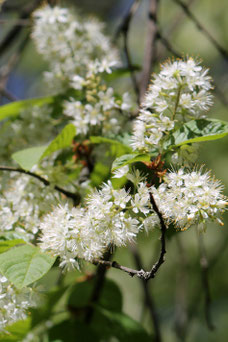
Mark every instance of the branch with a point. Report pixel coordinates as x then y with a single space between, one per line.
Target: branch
148 298
124 25
145 275
74 196
7 94
167 44
150 49
201 28
161 259
205 268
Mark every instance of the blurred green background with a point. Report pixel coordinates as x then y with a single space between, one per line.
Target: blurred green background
177 290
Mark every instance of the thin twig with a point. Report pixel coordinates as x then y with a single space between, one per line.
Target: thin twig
201 28
148 297
146 275
74 196
150 49
7 94
205 282
167 44
125 23
161 259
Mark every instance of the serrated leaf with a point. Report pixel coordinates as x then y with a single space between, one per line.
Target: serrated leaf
7 244
198 131
25 264
127 159
14 108
28 157
16 331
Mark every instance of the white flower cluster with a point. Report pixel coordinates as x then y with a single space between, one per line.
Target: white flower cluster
190 198
180 90
71 45
22 203
78 52
149 129
100 112
108 219
14 303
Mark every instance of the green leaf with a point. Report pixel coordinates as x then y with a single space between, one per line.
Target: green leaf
118 148
5 245
130 159
16 331
25 264
99 174
63 140
117 324
198 131
14 108
111 297
13 235
44 312
31 156
72 331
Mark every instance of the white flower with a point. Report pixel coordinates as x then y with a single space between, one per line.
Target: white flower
106 99
71 45
127 103
86 233
22 204
77 82
180 90
190 198
14 303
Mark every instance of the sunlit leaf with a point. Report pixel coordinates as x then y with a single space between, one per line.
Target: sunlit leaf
28 157
198 131
127 159
7 244
16 332
25 264
14 108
